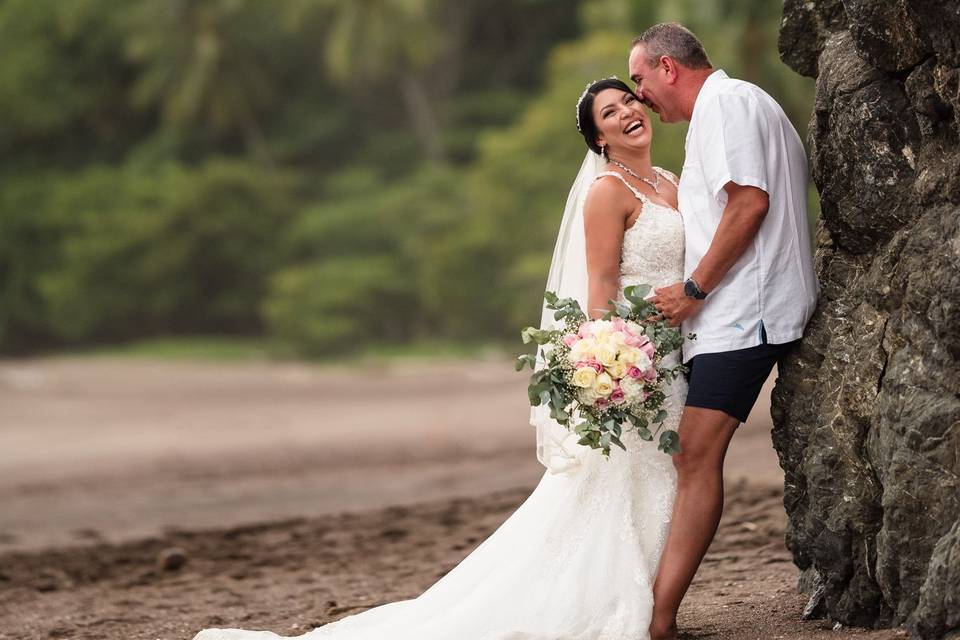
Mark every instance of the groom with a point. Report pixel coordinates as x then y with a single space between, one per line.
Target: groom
750 286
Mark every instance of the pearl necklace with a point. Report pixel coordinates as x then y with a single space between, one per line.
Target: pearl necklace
655 183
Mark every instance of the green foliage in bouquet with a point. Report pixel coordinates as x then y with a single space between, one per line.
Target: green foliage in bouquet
601 424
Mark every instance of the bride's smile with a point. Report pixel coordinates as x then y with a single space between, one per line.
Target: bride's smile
621 120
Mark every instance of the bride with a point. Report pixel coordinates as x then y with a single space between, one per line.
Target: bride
577 559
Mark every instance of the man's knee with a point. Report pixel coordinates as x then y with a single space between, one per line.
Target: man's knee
690 461
704 437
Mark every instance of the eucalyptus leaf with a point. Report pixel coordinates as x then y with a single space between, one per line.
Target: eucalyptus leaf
669 442
525 360
636 293
533 396
622 310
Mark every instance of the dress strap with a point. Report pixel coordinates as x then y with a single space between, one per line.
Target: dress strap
668 175
634 190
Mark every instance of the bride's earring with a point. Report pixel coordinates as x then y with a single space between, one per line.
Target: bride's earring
603 153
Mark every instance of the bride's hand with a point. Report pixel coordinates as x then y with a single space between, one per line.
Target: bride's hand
674 305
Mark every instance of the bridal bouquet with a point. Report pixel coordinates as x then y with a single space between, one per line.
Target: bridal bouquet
602 377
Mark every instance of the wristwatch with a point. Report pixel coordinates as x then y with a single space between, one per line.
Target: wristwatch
692 290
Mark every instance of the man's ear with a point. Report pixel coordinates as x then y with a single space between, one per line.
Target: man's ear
670 69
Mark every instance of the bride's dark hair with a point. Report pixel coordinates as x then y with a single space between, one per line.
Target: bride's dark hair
585 122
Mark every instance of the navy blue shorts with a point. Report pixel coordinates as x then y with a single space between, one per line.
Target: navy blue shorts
730 381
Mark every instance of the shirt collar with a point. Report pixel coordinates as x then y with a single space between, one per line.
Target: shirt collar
710 86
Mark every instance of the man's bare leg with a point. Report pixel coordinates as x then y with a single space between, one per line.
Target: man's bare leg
704 437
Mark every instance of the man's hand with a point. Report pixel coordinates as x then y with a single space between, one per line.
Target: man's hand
674 305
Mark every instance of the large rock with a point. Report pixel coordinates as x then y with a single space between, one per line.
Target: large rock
867 412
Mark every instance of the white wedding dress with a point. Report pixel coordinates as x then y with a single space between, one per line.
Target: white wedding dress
576 561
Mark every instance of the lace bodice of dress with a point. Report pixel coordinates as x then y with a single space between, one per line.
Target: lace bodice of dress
652 250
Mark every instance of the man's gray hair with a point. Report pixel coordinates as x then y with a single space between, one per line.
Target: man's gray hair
674 40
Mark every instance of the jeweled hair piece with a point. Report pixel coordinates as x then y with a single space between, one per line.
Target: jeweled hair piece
584 95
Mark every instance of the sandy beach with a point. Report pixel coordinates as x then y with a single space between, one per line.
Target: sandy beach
299 497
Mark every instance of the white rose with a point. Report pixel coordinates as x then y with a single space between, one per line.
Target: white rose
586 396
628 356
603 385
634 328
618 338
602 329
632 388
617 370
606 354
642 360
584 377
583 349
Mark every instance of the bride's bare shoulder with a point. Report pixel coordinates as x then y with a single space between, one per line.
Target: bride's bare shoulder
608 197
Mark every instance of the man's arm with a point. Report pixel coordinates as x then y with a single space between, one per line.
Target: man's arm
745 211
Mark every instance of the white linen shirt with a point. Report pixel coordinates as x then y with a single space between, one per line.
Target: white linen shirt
739 134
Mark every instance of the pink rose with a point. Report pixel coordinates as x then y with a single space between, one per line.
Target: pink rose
601 403
617 395
634 372
571 339
648 349
650 374
632 340
618 324
589 363
586 330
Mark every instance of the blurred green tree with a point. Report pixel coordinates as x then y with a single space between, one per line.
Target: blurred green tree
206 64
62 83
389 44
357 263
166 252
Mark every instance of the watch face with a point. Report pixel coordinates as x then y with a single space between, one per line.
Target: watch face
691 290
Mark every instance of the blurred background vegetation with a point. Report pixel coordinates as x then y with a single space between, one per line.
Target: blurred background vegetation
319 176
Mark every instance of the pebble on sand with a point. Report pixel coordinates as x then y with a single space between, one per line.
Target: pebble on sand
171 559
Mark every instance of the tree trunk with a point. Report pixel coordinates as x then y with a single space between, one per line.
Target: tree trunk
423 118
